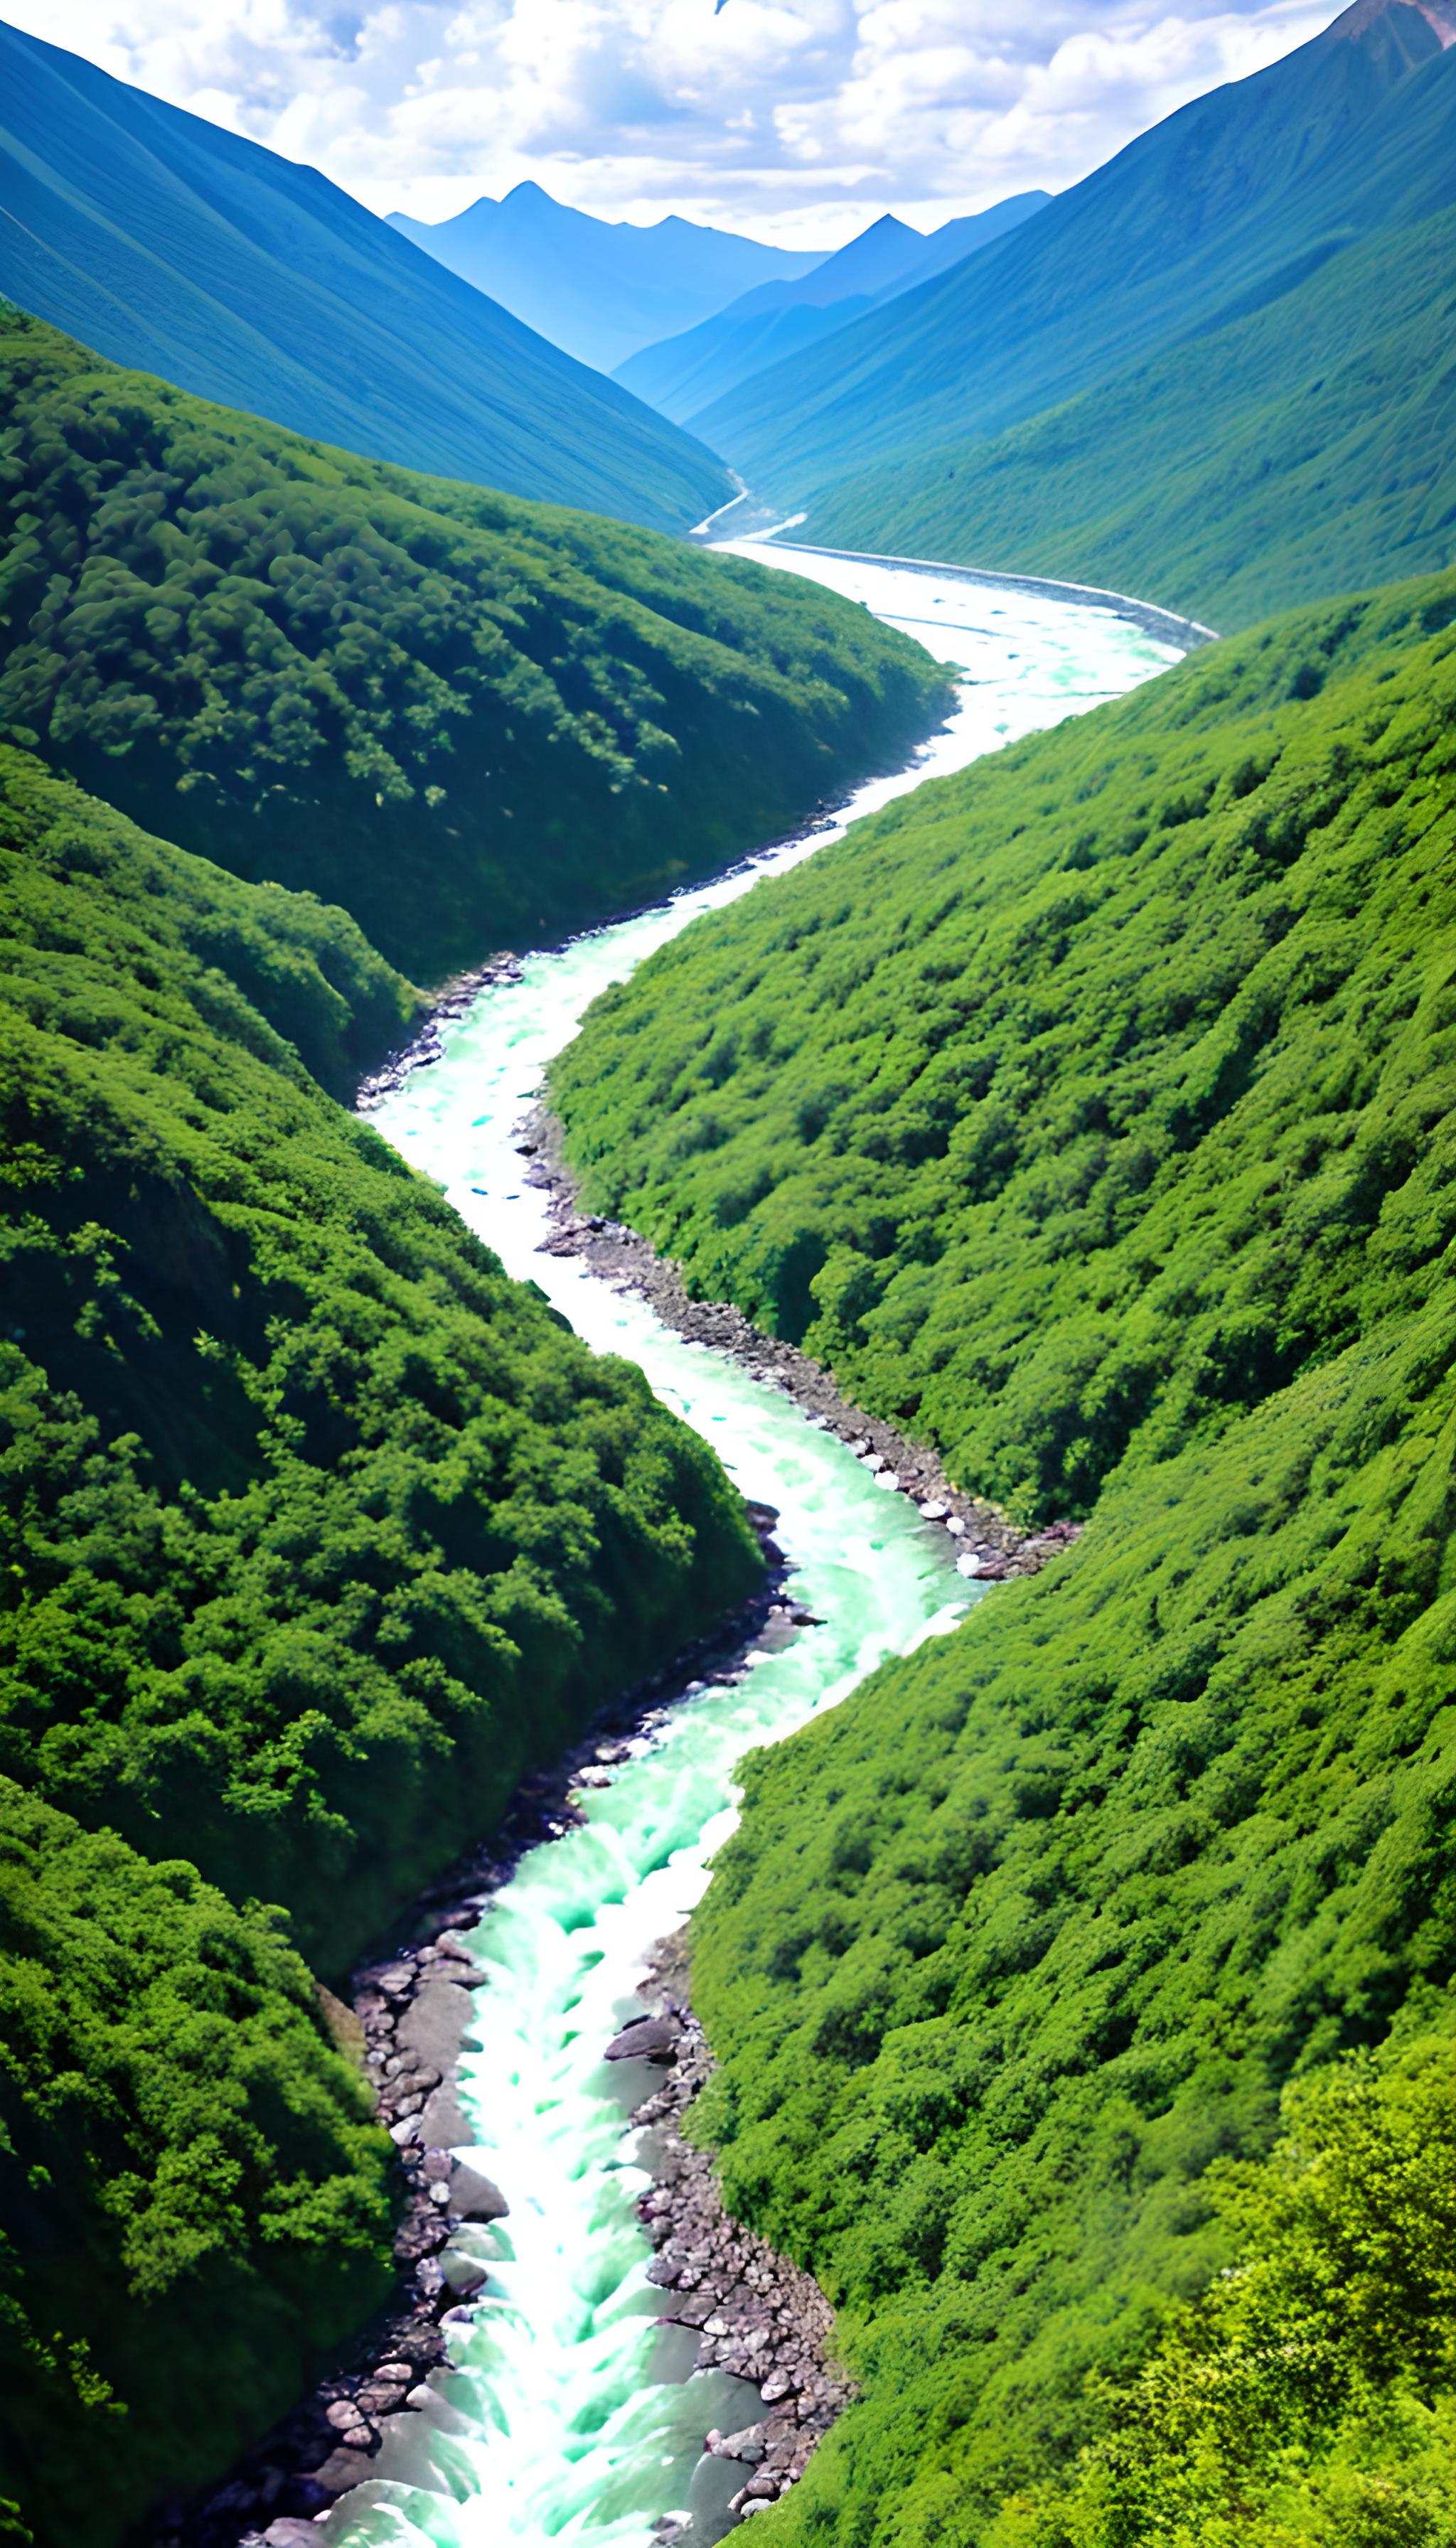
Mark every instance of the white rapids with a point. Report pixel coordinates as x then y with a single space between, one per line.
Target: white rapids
566 2413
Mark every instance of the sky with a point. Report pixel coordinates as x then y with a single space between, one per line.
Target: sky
797 121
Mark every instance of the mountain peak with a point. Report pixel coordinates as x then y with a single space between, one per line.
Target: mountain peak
1362 15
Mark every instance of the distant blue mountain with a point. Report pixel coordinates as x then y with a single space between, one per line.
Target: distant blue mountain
175 247
777 319
599 288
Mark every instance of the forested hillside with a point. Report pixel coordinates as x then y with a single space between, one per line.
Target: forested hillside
193 2201
1094 1114
474 722
169 242
317 1534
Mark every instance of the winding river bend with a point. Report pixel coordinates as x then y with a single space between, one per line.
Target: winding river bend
566 2413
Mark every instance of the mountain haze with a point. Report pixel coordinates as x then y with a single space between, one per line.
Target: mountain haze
1212 214
601 289
688 372
176 247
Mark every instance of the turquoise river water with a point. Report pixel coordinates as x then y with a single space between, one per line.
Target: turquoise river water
566 2413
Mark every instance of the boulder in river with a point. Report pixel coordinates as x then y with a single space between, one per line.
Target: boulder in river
647 2039
473 2197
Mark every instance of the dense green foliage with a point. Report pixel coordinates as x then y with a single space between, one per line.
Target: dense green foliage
314 1532
306 969
1008 1949
1298 451
1213 372
1093 1112
318 1528
1073 1103
472 721
192 2195
169 243
1311 2394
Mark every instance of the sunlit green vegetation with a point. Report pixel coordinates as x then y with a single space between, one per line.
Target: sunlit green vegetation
315 1531
1311 2394
318 1528
192 2194
1074 1103
1093 1112
473 721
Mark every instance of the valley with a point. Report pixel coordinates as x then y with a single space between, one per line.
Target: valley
551 2411
728 1214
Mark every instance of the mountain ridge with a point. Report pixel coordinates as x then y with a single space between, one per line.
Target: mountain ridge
687 374
1203 206
599 288
179 248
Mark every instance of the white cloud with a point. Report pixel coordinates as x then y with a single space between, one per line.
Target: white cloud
798 120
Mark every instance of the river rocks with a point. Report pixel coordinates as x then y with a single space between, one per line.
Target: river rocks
647 2039
443 2121
434 2026
428 1046
623 1259
464 2275
758 2316
413 2011
473 2198
750 2444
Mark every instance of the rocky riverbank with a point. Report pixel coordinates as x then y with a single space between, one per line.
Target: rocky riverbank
755 2314
990 1546
409 2017
453 1000
456 997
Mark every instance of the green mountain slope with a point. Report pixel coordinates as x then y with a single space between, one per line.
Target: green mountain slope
472 721
192 2198
1208 216
1302 449
1094 1114
1310 2394
316 1532
321 1529
186 250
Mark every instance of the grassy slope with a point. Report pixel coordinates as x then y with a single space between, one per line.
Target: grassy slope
1299 451
1110 1089
1210 211
190 251
475 722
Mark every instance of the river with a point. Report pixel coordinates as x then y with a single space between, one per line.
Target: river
566 2411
